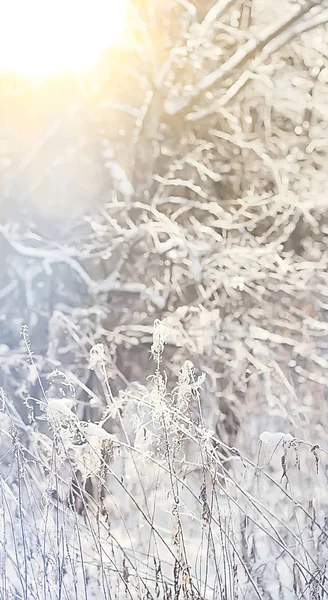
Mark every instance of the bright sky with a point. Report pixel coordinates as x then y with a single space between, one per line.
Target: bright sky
46 37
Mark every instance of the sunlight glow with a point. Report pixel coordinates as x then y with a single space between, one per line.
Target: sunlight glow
48 37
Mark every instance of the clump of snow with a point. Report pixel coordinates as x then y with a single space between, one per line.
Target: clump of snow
94 430
275 438
61 405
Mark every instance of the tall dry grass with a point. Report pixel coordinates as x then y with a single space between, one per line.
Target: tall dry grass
158 508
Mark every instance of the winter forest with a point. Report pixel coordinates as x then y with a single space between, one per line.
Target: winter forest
163 300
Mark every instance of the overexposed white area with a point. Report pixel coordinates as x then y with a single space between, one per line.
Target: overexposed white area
43 37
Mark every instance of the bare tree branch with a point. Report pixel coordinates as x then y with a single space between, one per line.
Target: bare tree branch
244 54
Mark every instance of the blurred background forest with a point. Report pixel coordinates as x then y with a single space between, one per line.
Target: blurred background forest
184 178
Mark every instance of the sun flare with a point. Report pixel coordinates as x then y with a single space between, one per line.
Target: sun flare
49 37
